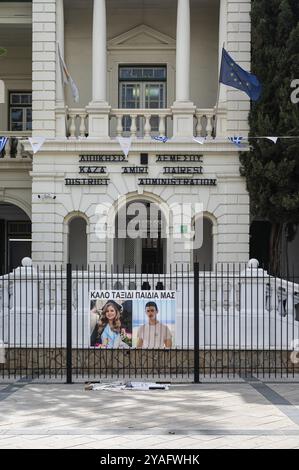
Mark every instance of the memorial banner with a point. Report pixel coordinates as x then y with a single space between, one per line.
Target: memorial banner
132 319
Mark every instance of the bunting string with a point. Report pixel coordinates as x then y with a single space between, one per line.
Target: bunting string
126 142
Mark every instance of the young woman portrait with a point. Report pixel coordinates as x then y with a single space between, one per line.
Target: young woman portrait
109 326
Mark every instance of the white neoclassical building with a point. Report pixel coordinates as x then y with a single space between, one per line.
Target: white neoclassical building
143 68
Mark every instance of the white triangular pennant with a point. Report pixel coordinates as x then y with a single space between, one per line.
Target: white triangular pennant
199 140
36 143
125 144
273 139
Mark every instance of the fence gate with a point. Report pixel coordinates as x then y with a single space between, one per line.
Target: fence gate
183 325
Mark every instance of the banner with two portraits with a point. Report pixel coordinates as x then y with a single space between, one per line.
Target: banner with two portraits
132 319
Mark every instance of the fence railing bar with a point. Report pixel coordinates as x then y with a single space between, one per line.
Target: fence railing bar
69 359
196 323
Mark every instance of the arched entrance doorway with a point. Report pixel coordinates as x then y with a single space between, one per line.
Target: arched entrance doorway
140 238
15 236
77 242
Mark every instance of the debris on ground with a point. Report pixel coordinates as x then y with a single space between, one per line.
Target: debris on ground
117 386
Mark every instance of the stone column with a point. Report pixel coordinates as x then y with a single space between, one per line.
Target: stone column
60 101
98 109
183 52
99 52
183 109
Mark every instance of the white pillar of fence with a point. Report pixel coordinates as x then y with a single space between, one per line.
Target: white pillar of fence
20 307
24 297
252 289
24 293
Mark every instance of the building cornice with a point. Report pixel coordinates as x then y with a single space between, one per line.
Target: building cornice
15 166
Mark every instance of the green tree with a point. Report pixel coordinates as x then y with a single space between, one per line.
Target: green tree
272 171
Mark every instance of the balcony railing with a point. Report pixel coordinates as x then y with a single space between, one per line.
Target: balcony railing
14 148
144 123
139 123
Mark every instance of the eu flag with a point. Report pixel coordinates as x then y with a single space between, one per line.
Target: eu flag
233 75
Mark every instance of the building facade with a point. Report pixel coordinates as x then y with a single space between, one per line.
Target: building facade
143 69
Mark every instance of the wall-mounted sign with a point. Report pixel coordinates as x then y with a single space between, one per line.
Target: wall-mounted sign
177 182
102 158
180 158
192 171
182 170
134 169
86 181
93 169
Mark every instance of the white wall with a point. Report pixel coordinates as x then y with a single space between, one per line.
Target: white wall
44 67
228 202
238 44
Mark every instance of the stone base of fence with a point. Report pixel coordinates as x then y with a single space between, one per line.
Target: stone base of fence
28 363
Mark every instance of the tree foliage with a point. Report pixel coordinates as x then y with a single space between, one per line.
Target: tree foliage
272 171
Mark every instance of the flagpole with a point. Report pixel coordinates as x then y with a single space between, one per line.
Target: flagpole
218 94
216 107
63 87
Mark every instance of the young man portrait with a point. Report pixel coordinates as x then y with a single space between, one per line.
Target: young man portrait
153 334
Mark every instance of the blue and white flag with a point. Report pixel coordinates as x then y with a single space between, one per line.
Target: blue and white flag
236 140
66 77
3 141
161 138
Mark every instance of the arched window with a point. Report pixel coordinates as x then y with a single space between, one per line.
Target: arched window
77 242
204 254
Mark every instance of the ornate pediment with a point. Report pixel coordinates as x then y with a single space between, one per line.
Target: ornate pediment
142 37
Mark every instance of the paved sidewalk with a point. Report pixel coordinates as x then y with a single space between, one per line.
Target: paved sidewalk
246 415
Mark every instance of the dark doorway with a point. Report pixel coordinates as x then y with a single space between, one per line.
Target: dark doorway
260 232
152 255
15 237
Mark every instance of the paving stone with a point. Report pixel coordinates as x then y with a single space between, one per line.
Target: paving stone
204 416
